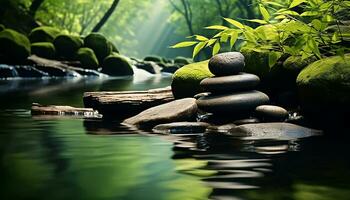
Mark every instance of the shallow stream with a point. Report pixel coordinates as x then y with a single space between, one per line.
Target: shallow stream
74 158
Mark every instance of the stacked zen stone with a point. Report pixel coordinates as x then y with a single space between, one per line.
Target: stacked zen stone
231 92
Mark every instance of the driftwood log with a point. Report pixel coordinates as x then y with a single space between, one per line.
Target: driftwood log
125 104
60 68
38 109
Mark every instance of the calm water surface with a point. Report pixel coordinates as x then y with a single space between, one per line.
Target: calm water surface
73 158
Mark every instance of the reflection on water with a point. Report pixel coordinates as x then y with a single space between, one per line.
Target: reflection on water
21 93
72 158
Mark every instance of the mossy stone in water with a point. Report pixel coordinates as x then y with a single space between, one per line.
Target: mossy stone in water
14 46
87 58
43 49
153 58
115 65
43 34
186 80
325 85
2 27
182 60
114 48
256 63
99 44
67 45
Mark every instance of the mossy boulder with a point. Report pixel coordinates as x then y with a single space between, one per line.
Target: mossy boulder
256 62
99 44
114 48
43 34
324 87
116 65
2 27
14 46
182 61
156 59
67 45
87 58
44 49
186 80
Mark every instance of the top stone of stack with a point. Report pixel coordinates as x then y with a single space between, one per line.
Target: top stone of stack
226 64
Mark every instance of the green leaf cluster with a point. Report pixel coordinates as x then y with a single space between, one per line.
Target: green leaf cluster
305 28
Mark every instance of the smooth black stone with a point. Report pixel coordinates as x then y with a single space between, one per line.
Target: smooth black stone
233 83
225 64
235 103
181 128
7 71
275 131
271 113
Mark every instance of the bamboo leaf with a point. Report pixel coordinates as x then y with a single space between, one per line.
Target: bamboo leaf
234 37
274 4
314 47
224 38
216 48
211 42
217 27
309 13
317 24
201 38
296 3
234 23
264 12
183 44
259 21
288 12
198 48
274 57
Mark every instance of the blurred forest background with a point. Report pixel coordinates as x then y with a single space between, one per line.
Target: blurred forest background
138 27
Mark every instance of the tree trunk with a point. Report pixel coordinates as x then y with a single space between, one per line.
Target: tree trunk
106 16
35 6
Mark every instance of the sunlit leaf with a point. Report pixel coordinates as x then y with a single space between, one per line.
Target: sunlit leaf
345 3
234 37
273 3
235 23
280 17
216 48
309 13
289 12
259 21
211 42
274 57
314 47
217 27
317 24
184 44
201 38
224 38
296 3
264 12
198 48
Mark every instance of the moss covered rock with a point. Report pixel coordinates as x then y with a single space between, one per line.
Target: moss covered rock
182 60
13 45
2 27
67 45
99 44
43 34
87 58
114 48
186 80
43 49
324 86
115 65
153 59
256 63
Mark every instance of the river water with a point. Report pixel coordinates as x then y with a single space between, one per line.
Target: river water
75 158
